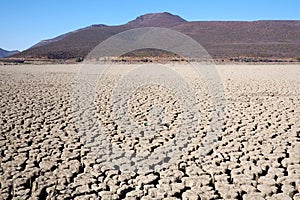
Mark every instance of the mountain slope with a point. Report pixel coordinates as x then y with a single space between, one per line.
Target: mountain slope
222 39
156 20
74 45
258 38
45 42
4 53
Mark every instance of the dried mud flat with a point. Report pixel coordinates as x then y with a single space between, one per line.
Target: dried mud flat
256 155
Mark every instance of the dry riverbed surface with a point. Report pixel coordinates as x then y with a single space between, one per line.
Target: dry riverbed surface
45 155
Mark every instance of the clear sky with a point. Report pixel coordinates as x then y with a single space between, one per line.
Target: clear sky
26 22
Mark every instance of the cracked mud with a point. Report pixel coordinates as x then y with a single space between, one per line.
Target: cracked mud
256 155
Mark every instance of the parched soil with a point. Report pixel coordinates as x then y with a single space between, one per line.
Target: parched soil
43 154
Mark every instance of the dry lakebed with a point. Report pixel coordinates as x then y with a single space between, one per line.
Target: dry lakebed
45 154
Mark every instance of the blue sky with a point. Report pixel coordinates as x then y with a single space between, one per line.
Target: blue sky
24 23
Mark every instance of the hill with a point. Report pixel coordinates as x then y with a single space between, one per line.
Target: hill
165 19
267 39
5 53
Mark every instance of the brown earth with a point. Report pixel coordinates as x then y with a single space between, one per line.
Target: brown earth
238 40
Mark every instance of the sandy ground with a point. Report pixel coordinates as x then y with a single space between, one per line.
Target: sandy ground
44 155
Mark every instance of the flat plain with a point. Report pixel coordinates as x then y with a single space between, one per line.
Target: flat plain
255 156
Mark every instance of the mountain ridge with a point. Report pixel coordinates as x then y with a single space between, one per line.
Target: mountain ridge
222 39
164 19
5 53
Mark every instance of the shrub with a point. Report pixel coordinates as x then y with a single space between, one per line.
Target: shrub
79 59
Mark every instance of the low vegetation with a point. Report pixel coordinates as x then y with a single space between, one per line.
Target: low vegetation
80 59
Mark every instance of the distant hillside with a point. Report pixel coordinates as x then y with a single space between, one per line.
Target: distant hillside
44 42
4 53
222 39
156 20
